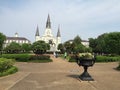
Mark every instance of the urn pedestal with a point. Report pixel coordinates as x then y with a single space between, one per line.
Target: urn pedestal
85 63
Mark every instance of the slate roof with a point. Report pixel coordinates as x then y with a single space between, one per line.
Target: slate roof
16 38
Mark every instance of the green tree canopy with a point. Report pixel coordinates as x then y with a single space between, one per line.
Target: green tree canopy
2 39
13 48
113 42
78 46
26 47
61 47
108 43
77 40
92 44
40 47
75 46
101 44
67 46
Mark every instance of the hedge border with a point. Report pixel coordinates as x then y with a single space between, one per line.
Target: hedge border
71 58
28 57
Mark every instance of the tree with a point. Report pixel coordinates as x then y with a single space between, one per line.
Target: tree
61 47
102 44
77 40
67 46
92 44
2 39
98 45
13 48
113 42
78 46
26 47
107 43
40 47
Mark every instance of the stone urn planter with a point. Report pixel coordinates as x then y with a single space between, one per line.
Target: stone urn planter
85 62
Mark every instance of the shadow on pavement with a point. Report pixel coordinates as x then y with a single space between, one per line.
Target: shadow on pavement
74 76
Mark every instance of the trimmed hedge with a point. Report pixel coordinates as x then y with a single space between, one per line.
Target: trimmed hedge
27 57
71 58
40 61
17 57
39 57
107 59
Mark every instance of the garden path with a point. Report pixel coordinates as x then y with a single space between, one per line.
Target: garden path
61 75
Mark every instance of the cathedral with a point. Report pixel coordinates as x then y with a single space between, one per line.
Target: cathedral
48 36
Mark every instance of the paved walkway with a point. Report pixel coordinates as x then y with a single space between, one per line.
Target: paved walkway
61 75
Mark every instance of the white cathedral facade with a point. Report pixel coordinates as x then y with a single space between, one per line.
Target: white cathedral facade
48 36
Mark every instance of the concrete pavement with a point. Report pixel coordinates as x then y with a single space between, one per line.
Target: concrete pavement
61 75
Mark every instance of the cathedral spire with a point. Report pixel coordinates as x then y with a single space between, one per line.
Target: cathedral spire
37 31
58 33
48 23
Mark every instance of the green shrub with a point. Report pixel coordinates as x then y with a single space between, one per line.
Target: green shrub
41 61
107 58
23 57
68 57
6 64
39 57
27 57
72 58
11 70
118 68
17 57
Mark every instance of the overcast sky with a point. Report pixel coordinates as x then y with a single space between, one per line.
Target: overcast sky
86 18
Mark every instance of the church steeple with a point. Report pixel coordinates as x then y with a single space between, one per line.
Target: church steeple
58 33
48 23
37 32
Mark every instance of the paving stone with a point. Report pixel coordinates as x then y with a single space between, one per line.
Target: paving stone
61 75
